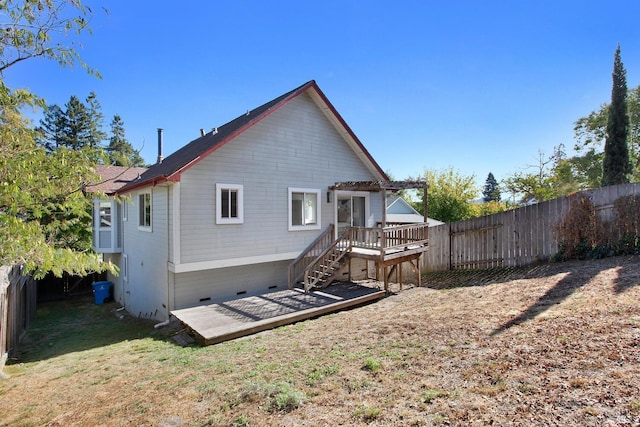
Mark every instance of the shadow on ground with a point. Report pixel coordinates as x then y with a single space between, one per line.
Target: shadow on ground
576 275
78 324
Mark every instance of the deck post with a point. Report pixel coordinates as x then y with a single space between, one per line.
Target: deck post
424 205
384 208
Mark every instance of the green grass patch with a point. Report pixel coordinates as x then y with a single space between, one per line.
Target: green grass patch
432 394
372 365
318 374
278 397
367 413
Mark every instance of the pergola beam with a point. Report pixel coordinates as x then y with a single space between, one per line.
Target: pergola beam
379 185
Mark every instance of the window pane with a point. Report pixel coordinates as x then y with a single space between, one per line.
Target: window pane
310 203
147 210
233 196
224 195
141 210
144 210
297 207
105 214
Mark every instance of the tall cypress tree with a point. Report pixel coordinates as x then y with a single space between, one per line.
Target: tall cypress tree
616 165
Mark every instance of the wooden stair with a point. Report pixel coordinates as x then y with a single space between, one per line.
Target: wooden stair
319 271
322 273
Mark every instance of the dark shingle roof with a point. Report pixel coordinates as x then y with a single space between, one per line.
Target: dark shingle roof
171 167
114 177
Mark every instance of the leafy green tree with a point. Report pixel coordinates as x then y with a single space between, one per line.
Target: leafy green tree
540 184
37 29
41 191
590 133
450 195
491 191
120 151
616 165
488 208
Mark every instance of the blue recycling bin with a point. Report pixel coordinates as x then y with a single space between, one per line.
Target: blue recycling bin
102 291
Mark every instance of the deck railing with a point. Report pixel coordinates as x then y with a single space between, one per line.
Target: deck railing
322 269
318 246
390 238
381 241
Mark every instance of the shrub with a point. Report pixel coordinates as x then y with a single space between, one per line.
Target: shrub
582 236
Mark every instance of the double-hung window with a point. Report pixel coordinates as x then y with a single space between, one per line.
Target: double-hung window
304 209
144 211
229 204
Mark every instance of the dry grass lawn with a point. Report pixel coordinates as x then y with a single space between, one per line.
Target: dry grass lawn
558 344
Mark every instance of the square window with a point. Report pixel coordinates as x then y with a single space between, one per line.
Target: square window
304 209
229 204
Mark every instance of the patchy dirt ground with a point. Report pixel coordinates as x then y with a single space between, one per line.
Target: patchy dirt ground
557 344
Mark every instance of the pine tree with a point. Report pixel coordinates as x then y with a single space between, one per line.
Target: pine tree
616 165
491 191
75 133
77 127
95 122
121 153
51 129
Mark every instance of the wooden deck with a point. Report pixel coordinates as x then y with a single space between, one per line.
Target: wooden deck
228 320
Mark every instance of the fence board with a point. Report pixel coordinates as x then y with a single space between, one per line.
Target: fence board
516 237
18 298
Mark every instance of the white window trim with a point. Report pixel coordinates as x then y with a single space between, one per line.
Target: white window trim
125 267
233 187
317 225
125 209
111 215
148 228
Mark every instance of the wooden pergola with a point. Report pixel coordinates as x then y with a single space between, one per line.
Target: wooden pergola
384 187
385 259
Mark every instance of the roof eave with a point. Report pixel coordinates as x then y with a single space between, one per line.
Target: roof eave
177 175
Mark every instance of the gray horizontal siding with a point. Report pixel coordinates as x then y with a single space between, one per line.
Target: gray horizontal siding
223 284
145 292
295 146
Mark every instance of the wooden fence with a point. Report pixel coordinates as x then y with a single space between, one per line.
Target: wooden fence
18 297
513 238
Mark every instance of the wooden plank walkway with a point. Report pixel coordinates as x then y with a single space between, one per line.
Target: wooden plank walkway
228 320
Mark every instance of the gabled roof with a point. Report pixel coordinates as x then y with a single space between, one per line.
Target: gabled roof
174 165
398 205
114 177
399 211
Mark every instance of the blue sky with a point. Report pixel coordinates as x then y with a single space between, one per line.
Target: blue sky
478 85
